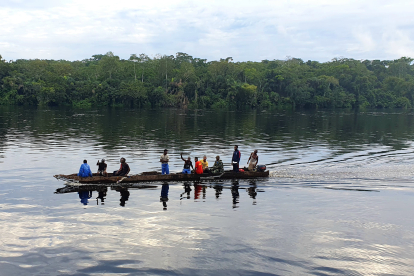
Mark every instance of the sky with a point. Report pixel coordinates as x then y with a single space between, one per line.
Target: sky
246 30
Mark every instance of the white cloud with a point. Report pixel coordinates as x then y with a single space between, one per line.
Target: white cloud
245 30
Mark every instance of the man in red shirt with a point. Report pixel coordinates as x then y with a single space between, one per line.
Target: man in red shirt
198 166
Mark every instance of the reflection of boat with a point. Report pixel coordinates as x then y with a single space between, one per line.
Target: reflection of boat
99 188
156 176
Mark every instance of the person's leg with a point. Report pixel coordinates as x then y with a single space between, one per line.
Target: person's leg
167 169
114 174
162 168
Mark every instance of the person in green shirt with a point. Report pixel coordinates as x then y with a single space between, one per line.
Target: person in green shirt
218 166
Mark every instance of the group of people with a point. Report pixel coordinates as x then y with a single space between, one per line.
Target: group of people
200 166
85 169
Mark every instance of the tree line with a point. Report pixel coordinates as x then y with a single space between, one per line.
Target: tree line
186 82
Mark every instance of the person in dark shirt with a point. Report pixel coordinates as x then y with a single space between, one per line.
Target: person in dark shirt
236 159
123 170
187 165
102 167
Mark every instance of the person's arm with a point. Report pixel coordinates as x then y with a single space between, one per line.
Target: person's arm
182 157
257 160
191 164
120 168
249 158
129 169
97 164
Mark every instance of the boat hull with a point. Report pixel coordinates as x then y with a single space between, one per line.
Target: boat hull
146 177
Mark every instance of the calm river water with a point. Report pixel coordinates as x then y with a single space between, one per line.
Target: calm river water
340 199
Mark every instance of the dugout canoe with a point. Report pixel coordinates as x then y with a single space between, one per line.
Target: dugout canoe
156 176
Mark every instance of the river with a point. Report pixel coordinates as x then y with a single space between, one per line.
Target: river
340 199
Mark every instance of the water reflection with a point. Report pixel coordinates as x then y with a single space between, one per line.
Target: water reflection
124 193
85 196
187 191
101 195
164 195
235 193
252 191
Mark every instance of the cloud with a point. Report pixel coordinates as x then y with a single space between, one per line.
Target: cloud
245 30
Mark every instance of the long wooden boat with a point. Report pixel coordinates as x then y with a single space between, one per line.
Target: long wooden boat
156 176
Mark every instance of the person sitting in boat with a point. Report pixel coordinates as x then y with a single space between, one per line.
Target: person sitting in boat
218 166
254 158
123 169
236 159
187 165
85 170
198 166
102 167
204 163
164 162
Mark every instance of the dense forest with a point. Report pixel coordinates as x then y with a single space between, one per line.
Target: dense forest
187 82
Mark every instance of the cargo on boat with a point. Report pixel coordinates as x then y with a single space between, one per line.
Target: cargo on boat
156 176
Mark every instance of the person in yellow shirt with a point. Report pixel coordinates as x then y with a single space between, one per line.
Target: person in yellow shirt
204 163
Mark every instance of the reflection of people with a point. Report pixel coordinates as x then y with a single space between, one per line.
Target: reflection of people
164 195
124 196
198 166
218 166
219 189
254 158
102 167
187 165
235 160
197 190
187 190
85 170
252 191
84 196
123 169
102 195
235 193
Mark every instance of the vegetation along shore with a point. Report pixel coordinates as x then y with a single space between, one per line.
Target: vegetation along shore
186 82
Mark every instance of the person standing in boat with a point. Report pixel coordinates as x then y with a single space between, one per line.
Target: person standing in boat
198 166
254 158
123 169
85 170
164 162
187 165
236 159
102 167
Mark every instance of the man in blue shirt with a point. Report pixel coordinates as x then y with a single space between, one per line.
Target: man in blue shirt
236 159
85 170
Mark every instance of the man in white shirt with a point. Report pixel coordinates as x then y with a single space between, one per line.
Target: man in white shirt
164 162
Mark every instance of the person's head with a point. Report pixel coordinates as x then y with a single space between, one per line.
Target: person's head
85 161
103 160
217 157
165 151
236 147
196 159
123 160
189 158
255 151
204 158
